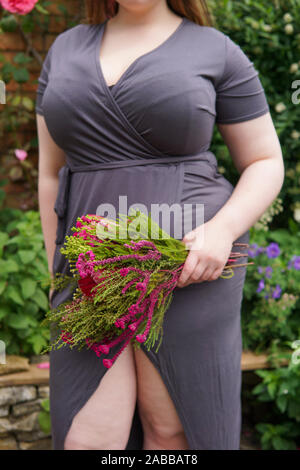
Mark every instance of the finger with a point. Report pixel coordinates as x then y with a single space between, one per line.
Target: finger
190 236
217 273
197 274
189 266
206 274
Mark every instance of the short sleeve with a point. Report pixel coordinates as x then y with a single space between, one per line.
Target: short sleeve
43 81
240 95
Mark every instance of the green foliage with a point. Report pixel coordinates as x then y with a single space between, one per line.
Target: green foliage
278 436
269 325
44 417
8 23
23 270
281 387
268 31
267 320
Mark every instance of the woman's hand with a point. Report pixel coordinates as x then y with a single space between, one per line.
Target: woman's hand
210 246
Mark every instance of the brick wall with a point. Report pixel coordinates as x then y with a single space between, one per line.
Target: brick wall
40 40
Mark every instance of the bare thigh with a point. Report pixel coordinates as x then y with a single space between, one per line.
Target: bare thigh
161 424
104 422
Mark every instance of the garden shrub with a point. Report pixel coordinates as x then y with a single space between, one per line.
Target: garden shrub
281 387
23 272
271 303
268 31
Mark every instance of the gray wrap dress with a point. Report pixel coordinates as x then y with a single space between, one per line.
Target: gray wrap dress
148 138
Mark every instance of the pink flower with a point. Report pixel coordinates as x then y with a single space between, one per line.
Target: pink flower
43 365
124 271
19 153
134 308
91 254
141 338
22 7
141 286
84 267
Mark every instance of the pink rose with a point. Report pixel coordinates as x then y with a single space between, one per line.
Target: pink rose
22 7
20 154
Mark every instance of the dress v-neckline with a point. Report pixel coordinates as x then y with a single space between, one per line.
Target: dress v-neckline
132 65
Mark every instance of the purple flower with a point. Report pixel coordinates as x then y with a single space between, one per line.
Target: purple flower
276 292
252 250
273 250
261 285
295 262
268 271
260 269
255 250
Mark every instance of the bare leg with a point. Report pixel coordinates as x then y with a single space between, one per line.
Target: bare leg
161 424
104 422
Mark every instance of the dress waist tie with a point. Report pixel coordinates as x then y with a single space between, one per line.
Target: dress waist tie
61 203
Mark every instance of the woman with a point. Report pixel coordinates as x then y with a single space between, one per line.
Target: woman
126 105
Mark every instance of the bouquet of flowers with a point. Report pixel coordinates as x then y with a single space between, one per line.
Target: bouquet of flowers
123 284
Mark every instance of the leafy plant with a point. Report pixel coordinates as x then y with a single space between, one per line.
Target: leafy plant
278 436
271 293
281 387
268 32
23 269
44 417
